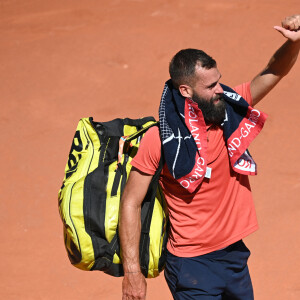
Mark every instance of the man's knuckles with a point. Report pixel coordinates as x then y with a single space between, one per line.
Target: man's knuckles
291 23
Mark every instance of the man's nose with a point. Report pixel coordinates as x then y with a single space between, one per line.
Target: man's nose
219 89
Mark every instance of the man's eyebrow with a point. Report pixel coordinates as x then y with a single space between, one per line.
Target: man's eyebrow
214 83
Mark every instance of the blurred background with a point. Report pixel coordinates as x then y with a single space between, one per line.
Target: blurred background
68 59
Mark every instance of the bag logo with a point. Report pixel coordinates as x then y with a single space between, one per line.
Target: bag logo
74 157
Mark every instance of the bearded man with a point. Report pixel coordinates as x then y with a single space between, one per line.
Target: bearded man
205 130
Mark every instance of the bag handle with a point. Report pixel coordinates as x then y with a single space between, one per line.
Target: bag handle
125 139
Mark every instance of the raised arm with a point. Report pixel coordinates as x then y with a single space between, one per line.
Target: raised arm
281 62
134 284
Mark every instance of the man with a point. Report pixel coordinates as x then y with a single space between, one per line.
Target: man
210 212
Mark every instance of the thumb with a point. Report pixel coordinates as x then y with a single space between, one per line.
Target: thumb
281 30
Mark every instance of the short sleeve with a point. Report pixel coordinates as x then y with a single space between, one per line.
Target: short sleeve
244 91
149 153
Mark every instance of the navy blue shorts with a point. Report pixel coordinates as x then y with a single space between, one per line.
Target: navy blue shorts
221 274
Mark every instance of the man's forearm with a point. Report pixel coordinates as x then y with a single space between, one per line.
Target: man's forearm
130 230
134 284
283 59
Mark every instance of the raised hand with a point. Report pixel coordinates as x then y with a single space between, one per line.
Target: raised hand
290 28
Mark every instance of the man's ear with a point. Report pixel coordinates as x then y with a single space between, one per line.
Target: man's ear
185 91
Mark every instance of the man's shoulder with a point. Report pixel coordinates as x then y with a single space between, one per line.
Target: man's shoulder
151 143
244 90
148 155
153 133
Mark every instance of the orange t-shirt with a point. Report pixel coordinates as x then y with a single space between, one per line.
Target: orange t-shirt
220 211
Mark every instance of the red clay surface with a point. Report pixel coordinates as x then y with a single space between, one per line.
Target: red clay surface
64 60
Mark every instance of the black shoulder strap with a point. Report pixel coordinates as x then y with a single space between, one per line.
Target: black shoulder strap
141 131
146 217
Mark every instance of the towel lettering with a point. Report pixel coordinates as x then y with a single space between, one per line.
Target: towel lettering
244 163
197 173
235 143
254 115
194 129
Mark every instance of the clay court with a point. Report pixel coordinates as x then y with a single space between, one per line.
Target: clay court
64 60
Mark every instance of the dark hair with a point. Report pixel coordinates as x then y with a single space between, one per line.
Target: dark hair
182 65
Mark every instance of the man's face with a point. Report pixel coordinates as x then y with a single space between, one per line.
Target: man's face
208 94
213 112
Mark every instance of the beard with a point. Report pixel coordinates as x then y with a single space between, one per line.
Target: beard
213 113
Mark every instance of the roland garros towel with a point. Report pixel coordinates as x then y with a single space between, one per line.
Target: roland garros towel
184 136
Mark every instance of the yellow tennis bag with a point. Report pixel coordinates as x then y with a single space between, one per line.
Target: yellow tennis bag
95 176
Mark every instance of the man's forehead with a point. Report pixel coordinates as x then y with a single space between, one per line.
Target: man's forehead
207 76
